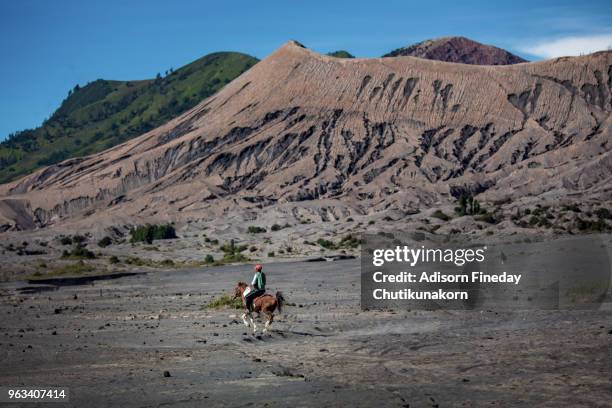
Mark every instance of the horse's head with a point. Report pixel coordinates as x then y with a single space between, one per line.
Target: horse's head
239 289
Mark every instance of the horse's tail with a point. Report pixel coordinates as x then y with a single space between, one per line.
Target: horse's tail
280 299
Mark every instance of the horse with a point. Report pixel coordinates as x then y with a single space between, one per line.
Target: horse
265 304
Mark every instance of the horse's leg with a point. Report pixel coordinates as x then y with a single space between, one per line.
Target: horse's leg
268 322
253 323
244 320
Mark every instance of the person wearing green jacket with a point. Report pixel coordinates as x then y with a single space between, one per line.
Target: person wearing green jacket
258 286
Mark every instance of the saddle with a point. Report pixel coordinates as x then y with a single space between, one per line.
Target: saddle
251 299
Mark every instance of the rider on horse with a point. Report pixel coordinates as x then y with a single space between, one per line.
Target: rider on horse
255 300
257 288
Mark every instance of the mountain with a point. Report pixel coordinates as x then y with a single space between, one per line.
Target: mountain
105 113
341 54
460 50
311 135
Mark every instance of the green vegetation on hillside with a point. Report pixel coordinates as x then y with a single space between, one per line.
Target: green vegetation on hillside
341 54
106 113
148 233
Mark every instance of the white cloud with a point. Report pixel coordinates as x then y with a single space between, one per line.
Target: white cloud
569 46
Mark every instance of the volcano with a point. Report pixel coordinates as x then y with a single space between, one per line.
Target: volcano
301 130
460 50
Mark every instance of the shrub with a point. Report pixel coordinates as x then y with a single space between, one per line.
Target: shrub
113 260
66 240
594 226
78 252
71 269
224 301
572 207
209 259
276 227
234 257
468 205
149 233
371 222
349 241
134 260
253 249
104 242
167 262
489 218
253 229
232 252
325 243
78 239
440 215
271 254
603 213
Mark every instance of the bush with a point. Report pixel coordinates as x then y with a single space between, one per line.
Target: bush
591 226
134 260
113 260
209 259
253 249
349 241
232 252
603 213
104 242
78 252
470 206
440 215
149 233
234 257
72 269
489 218
253 229
371 222
276 227
325 243
224 301
167 262
78 239
271 254
572 207
66 240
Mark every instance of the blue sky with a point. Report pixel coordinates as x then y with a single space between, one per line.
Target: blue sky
49 46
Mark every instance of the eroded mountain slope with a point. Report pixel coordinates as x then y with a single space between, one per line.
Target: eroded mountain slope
364 135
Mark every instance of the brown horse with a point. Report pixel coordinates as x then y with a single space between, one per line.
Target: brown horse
265 304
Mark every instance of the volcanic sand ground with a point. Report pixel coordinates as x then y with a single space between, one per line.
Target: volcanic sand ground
111 341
